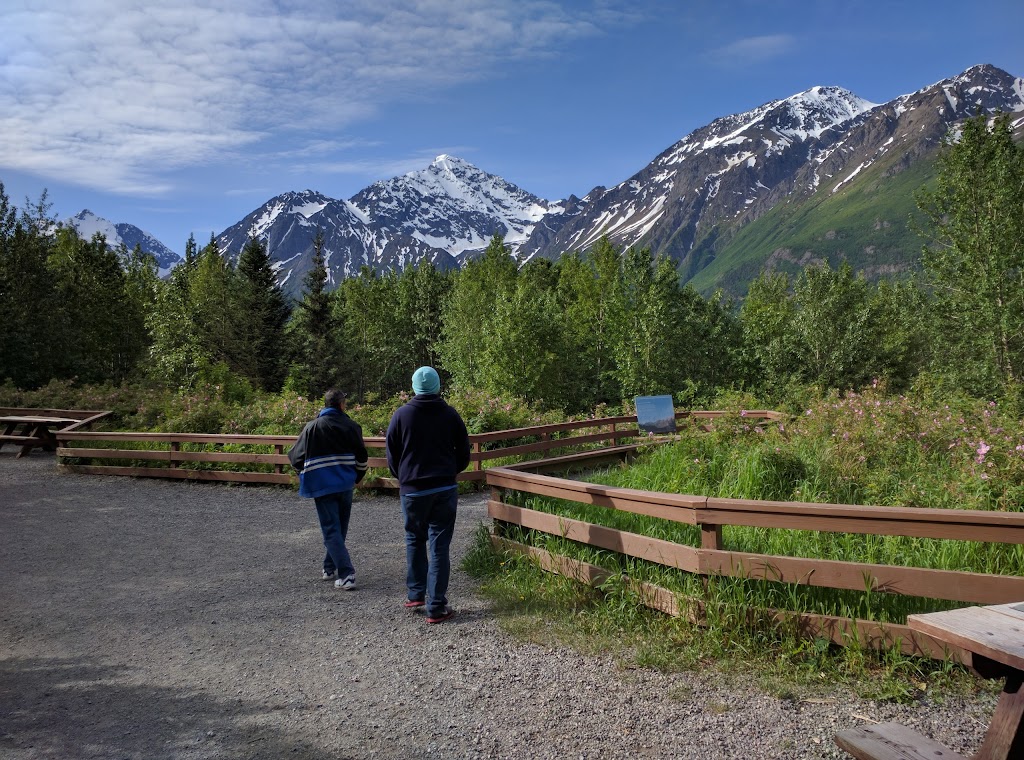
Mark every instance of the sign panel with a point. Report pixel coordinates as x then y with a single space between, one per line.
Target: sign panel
655 414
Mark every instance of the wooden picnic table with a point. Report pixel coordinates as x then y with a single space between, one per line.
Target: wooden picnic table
32 431
993 638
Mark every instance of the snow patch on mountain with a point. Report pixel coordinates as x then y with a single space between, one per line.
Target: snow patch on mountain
88 224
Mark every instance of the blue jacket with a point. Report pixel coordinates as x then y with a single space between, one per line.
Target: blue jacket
427 444
330 454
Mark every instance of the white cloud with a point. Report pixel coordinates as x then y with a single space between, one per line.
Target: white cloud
111 94
751 50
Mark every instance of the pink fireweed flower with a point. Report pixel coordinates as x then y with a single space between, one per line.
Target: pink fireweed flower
982 450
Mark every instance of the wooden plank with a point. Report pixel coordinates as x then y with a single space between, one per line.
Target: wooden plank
921 522
656 550
19 419
557 443
566 461
892 741
182 474
227 456
84 453
532 483
677 513
1013 609
954 585
989 633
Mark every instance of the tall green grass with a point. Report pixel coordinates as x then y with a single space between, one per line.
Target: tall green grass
854 449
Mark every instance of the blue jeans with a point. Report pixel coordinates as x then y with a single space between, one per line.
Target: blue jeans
334 511
429 526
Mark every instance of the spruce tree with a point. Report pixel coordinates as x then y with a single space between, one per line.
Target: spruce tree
263 313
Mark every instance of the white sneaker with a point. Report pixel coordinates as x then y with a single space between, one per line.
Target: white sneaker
348 583
329 576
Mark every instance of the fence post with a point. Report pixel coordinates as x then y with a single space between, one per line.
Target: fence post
545 436
175 446
278 449
710 536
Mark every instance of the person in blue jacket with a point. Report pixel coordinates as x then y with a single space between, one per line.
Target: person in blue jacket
330 456
427 447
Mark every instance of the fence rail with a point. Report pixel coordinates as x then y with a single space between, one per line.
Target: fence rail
712 559
106 453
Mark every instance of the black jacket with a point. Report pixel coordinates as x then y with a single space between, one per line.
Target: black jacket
427 444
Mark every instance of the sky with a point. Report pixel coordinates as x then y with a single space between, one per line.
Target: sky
183 117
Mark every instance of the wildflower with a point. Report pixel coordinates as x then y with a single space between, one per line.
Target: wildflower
982 450
743 413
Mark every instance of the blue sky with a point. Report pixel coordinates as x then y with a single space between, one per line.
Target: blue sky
183 117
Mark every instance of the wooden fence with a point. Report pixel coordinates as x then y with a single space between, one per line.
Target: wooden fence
195 456
712 559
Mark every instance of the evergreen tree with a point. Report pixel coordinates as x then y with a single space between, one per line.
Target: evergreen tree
263 313
974 261
27 299
315 332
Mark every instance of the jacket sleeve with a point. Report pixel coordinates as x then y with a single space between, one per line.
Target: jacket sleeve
297 453
461 436
392 447
361 457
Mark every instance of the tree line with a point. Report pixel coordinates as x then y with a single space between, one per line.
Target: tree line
591 328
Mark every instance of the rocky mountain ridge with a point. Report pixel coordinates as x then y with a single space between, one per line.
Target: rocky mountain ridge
689 203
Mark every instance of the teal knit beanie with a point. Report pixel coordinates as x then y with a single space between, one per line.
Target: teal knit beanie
425 380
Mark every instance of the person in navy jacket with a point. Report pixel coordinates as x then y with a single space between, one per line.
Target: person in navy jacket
427 447
330 456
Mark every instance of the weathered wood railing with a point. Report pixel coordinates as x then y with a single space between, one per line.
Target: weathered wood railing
712 559
178 455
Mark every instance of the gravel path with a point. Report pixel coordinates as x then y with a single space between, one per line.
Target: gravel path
151 619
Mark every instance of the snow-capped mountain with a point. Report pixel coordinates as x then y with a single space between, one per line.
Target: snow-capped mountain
440 214
693 197
88 224
289 224
688 203
454 206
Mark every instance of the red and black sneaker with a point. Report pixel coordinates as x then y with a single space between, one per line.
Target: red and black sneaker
440 617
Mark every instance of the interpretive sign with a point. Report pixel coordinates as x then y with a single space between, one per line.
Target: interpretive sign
655 414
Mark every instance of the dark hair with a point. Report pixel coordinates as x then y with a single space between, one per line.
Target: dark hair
334 398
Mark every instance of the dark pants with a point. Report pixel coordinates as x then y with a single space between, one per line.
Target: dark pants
334 511
429 526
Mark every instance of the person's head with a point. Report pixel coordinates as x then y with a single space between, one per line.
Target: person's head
334 399
425 380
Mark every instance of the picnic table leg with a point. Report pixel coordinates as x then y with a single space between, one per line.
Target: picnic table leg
1005 737
47 439
8 429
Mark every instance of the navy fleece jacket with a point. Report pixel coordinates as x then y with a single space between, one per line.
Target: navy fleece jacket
427 444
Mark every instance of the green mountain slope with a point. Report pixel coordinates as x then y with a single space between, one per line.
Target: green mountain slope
867 222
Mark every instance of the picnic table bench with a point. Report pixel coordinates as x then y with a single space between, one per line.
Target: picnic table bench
993 638
32 431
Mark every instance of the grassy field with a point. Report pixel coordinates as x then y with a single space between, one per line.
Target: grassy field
857 449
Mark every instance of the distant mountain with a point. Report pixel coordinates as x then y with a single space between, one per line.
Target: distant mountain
822 147
454 206
441 214
88 224
823 175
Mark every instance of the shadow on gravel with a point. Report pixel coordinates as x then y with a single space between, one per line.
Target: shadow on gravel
74 708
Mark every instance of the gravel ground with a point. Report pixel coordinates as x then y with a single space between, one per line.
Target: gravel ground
152 619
